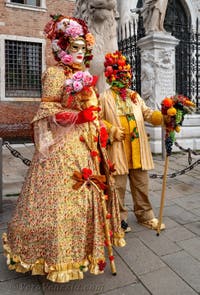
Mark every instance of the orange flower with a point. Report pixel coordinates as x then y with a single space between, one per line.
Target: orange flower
90 39
167 102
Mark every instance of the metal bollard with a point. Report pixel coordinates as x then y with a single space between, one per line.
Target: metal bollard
1 183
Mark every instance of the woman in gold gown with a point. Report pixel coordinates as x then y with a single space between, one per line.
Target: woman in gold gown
58 229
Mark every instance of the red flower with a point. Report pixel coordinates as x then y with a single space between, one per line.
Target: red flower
111 166
94 81
63 43
108 216
111 258
102 265
103 136
82 138
86 173
106 243
94 153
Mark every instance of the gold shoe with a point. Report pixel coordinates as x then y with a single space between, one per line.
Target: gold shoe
152 224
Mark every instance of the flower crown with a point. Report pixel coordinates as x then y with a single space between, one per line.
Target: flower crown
117 67
62 30
118 73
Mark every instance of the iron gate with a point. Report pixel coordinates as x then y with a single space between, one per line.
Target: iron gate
187 53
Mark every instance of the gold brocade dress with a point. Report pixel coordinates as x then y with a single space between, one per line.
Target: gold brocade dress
57 228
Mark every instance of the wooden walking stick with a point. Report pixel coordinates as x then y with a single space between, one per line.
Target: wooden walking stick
162 202
173 109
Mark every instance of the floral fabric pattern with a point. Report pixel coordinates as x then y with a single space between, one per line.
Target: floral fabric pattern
56 230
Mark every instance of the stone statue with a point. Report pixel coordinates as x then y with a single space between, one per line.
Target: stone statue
148 78
100 16
124 11
153 13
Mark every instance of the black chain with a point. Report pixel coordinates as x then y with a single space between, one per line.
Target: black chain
189 151
16 154
27 162
174 174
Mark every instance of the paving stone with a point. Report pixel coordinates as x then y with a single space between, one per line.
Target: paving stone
92 284
169 222
139 258
191 246
189 202
186 267
155 198
178 234
194 227
5 273
165 282
2 230
21 286
5 217
159 245
196 211
180 215
135 289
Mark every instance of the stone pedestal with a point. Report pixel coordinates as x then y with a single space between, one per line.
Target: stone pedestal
157 67
157 77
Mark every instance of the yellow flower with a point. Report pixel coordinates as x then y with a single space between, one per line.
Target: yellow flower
171 111
177 128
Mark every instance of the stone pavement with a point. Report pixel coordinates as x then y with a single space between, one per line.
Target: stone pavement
164 265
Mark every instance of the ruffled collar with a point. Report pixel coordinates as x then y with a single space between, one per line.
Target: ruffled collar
72 68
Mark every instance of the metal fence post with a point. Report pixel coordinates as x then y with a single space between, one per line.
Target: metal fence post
1 186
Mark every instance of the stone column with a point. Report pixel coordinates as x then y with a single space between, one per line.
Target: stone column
157 76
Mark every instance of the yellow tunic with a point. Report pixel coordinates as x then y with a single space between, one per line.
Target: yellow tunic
142 113
131 141
56 230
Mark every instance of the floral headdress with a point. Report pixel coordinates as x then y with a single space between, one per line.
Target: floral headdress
62 30
118 72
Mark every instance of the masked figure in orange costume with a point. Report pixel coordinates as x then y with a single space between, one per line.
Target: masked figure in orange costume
124 112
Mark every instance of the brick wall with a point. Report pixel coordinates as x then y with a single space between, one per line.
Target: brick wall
15 117
29 23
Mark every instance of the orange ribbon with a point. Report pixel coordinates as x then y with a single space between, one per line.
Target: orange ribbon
99 180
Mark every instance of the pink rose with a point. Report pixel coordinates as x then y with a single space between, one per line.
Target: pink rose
74 29
78 75
68 82
62 54
67 59
77 86
87 78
